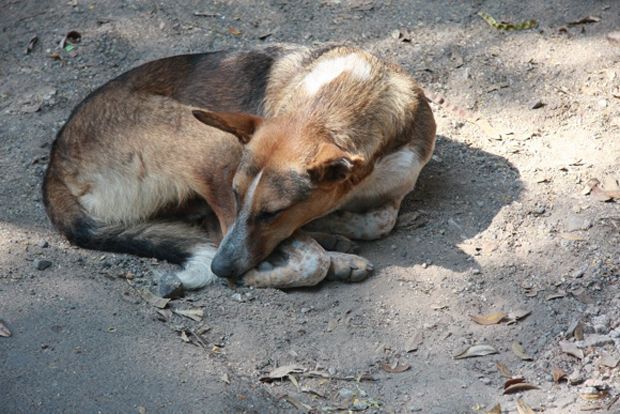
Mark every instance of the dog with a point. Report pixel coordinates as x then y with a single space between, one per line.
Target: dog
275 154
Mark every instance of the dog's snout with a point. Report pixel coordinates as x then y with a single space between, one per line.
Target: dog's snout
222 267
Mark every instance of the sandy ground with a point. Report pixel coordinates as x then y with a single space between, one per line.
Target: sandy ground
500 222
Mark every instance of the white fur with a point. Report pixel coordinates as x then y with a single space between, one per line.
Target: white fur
120 198
197 272
328 70
393 177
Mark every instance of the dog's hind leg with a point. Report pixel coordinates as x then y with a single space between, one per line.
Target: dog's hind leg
369 225
372 209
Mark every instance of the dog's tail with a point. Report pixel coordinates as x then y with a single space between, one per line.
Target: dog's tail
175 241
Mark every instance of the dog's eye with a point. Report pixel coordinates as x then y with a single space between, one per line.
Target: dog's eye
267 216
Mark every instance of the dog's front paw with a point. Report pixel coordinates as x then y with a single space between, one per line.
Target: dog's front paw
348 267
297 262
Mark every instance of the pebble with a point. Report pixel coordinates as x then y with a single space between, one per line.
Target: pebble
575 377
345 393
359 405
43 244
237 297
485 381
41 264
575 223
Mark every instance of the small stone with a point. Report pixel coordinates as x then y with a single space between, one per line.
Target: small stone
359 405
345 393
169 286
43 244
485 381
602 104
575 223
575 377
237 297
424 265
537 104
41 264
332 371
305 310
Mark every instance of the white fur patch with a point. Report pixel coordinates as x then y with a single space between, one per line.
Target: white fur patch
393 177
114 197
197 272
328 70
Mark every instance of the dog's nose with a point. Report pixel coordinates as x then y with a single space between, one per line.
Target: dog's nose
222 267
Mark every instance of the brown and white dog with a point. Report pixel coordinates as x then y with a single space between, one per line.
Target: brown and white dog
170 157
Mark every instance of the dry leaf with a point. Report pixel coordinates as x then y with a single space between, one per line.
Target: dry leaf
152 299
558 375
4 331
32 43
495 410
194 314
585 20
296 403
396 367
414 343
282 372
476 351
503 370
593 395
571 349
519 351
513 381
206 14
523 408
519 387
556 295
234 31
166 314
578 332
489 319
308 390
609 191
517 315
572 236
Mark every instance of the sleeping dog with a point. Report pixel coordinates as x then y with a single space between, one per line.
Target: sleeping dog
248 165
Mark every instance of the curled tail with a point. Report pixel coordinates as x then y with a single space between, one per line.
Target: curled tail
175 241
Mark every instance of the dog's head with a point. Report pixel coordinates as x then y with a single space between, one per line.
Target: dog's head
290 174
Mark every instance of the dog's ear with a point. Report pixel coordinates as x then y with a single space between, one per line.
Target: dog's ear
332 165
239 124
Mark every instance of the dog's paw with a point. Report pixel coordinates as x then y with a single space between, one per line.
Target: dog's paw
335 242
297 262
348 267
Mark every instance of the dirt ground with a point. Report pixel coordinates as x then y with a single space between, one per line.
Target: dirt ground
500 222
